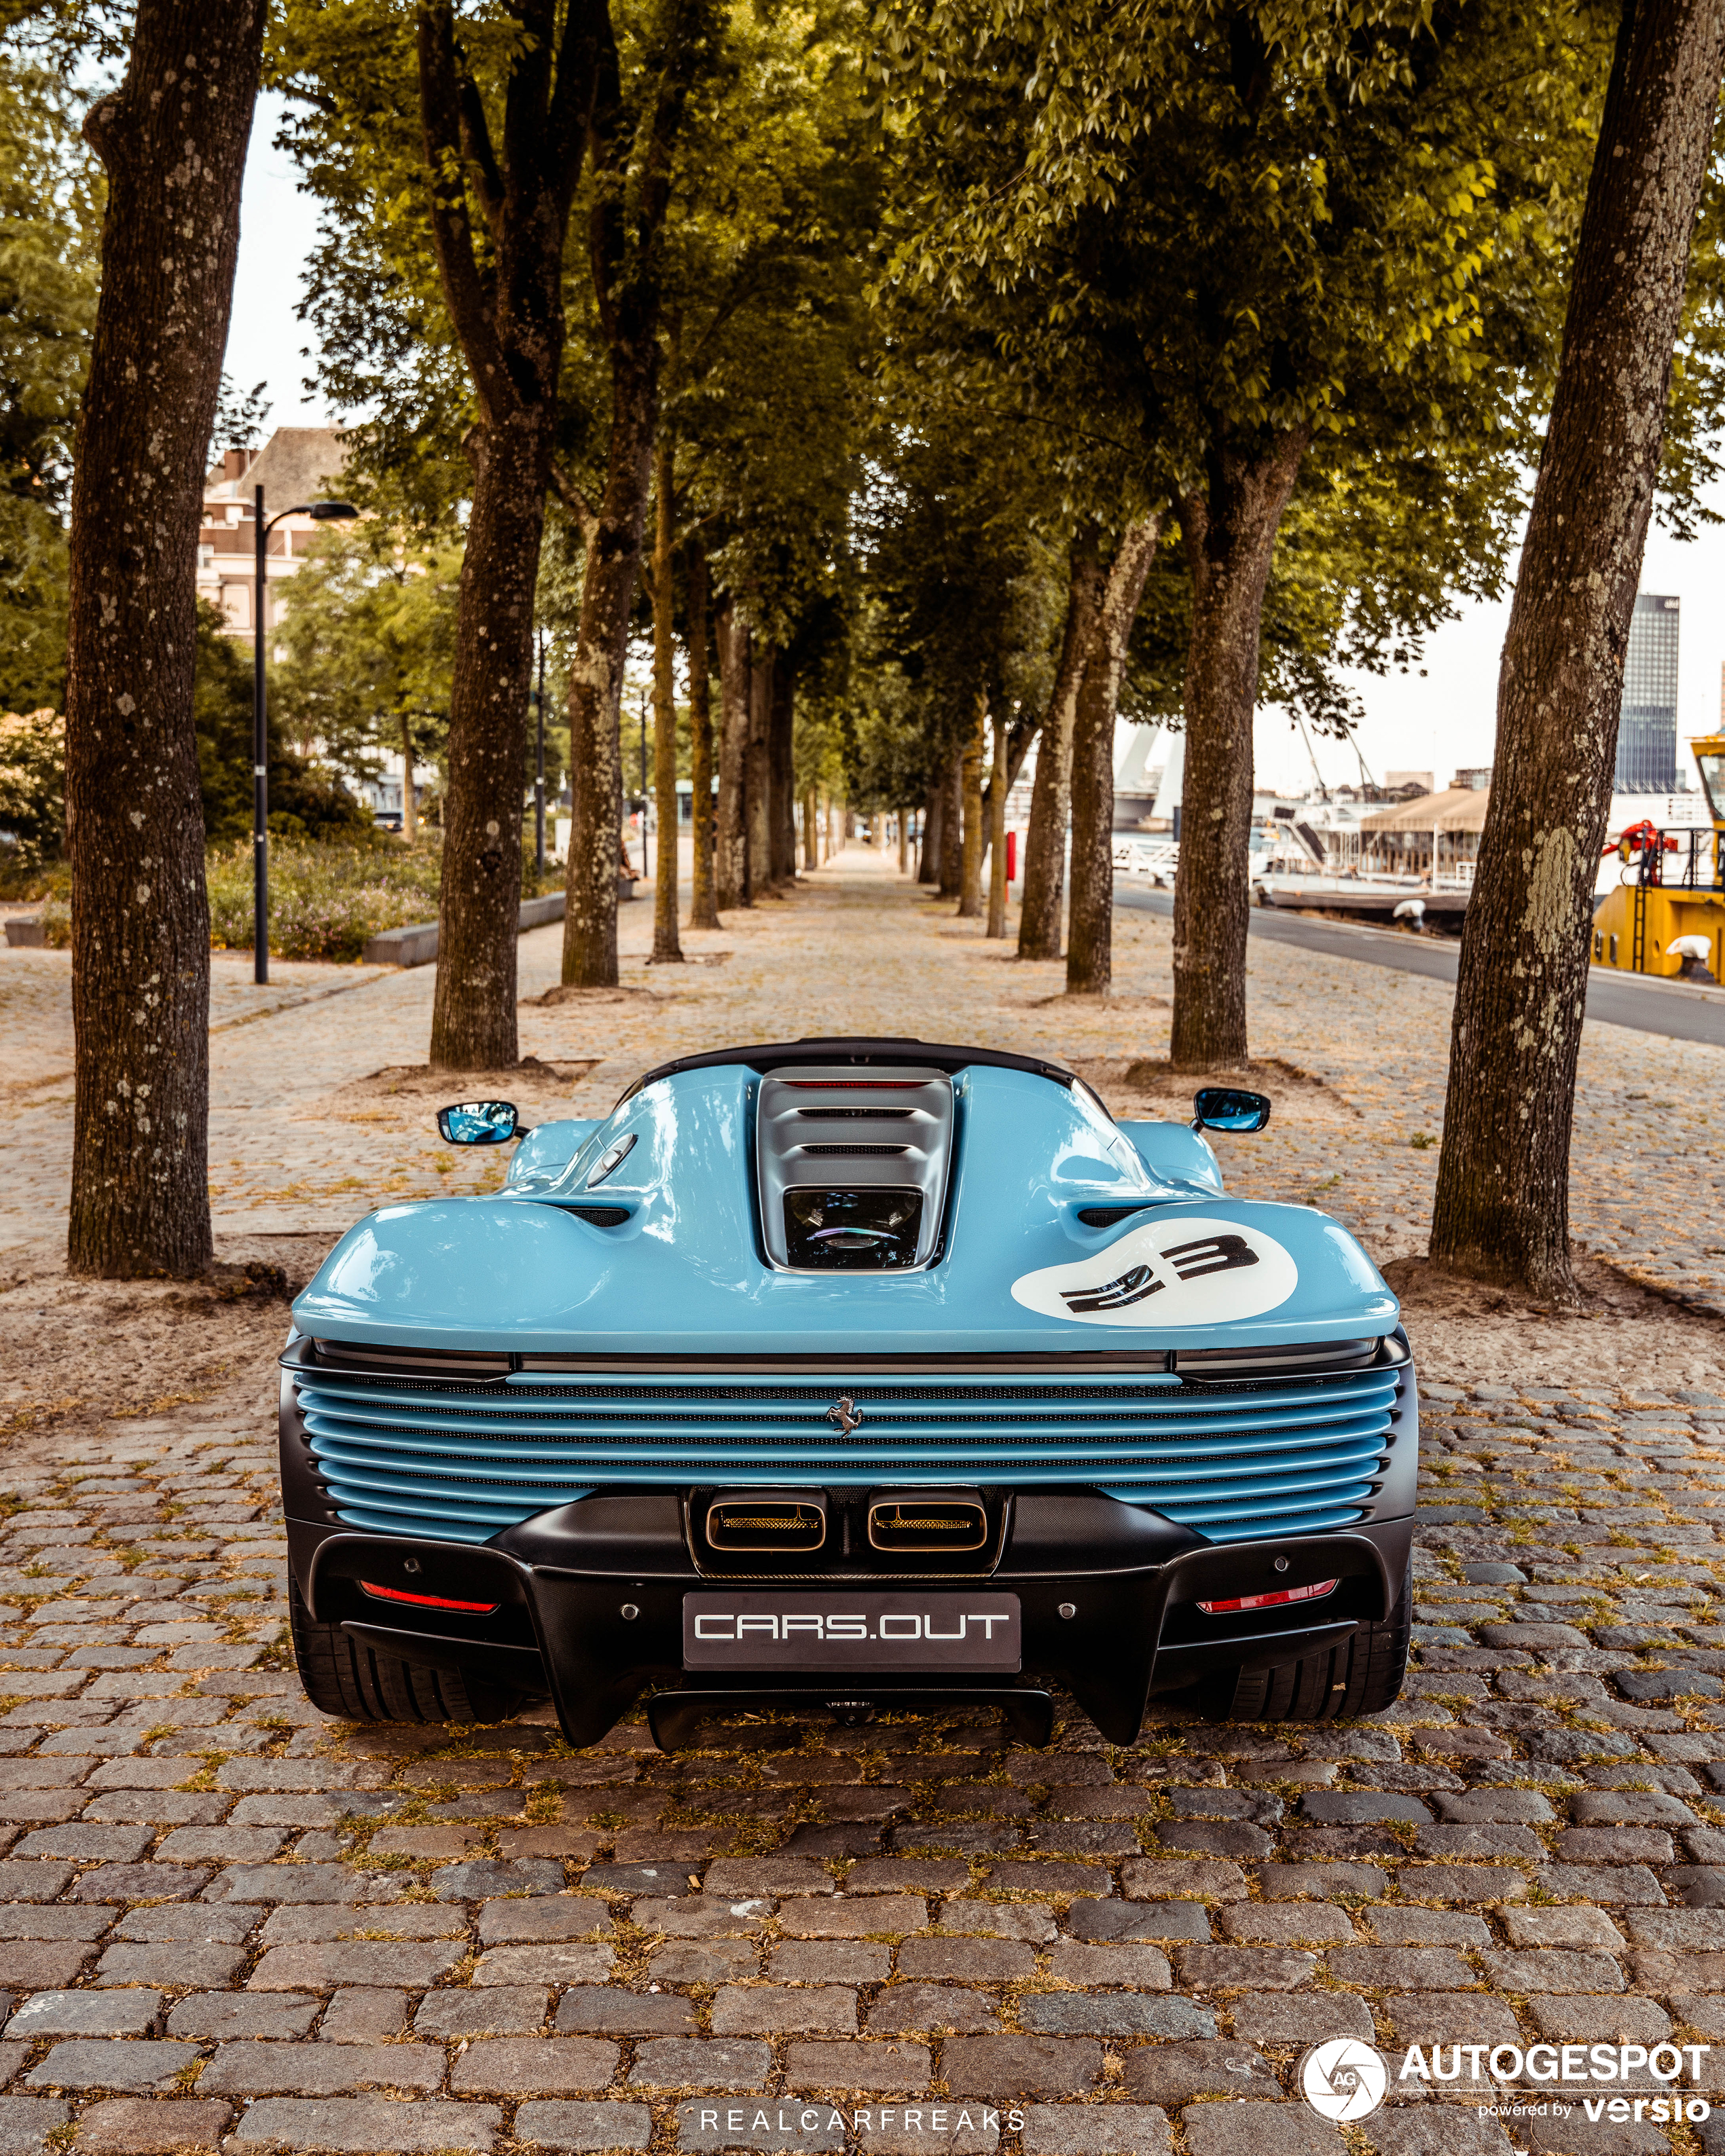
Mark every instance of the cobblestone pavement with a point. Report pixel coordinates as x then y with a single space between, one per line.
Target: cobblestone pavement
227 1923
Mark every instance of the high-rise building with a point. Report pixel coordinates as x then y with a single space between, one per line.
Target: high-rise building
1647 730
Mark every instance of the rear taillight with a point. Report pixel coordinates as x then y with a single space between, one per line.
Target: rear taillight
427 1601
1269 1601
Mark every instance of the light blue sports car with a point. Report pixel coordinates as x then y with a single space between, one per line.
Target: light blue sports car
855 1375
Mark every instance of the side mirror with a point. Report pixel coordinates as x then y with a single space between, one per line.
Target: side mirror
1224 1108
480 1122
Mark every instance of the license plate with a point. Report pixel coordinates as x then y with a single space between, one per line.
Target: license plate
765 1629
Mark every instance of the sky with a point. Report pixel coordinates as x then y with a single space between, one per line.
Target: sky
1437 722
278 230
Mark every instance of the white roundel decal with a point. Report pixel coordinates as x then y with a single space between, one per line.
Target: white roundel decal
1178 1272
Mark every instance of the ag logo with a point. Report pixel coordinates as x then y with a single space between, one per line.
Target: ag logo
1343 2079
1171 1271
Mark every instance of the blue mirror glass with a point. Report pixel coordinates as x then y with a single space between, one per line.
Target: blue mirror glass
478 1123
1225 1108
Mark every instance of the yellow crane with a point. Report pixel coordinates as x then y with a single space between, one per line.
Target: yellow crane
1667 914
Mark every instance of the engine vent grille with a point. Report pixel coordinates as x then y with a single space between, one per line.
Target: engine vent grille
855 1151
1271 1455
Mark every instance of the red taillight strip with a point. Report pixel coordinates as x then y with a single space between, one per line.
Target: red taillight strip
1269 1601
857 1085
427 1601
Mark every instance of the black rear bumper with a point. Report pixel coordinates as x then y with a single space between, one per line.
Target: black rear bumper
588 1609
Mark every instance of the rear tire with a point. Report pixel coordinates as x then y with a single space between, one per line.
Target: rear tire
1362 1676
342 1676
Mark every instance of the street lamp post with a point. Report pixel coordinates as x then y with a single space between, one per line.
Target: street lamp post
326 512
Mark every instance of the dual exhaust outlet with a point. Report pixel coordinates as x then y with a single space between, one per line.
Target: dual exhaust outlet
797 1522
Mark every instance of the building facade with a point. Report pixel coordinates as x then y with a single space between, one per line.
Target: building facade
296 464
1647 728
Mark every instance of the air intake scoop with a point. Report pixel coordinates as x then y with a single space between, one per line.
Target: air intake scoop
853 1167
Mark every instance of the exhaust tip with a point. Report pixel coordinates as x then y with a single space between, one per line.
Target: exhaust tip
755 1520
916 1522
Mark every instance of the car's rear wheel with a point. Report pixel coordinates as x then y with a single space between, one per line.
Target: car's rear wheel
342 1676
1361 1677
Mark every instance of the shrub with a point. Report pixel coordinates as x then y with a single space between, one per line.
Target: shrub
33 794
326 901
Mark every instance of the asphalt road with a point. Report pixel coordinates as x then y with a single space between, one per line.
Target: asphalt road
1628 999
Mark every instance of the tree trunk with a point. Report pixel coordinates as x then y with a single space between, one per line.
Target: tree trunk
928 865
703 911
731 861
173 139
998 785
970 889
667 947
1089 939
760 772
409 812
953 827
903 841
504 298
614 563
1501 1211
782 759
473 1022
1229 532
811 829
1051 792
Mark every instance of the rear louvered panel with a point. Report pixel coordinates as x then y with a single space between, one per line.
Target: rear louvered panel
539 1412
465 1460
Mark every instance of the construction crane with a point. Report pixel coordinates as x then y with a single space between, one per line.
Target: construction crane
1666 914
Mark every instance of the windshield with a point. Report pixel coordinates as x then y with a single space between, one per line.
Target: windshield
1712 777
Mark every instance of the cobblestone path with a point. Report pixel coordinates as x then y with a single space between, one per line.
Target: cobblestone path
227 1923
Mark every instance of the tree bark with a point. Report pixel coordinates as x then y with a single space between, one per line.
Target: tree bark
732 864
703 910
1229 532
607 593
760 771
409 811
1051 792
1501 1211
667 947
173 139
970 889
505 299
473 1020
626 255
1090 935
951 882
781 759
998 786
811 829
928 865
